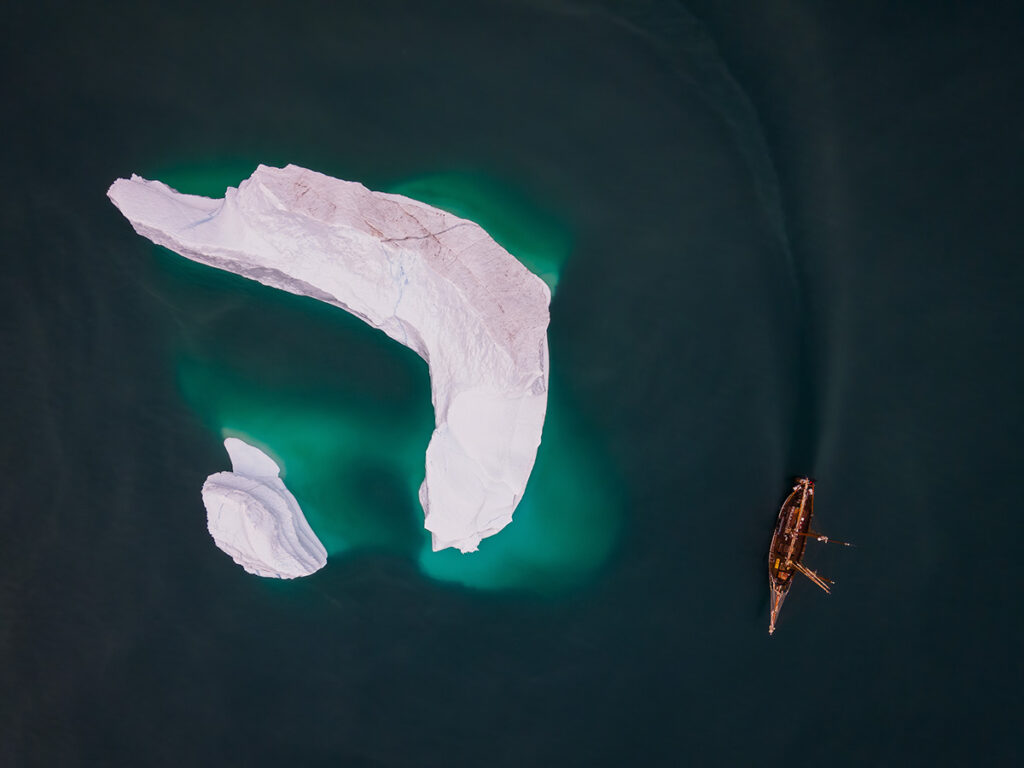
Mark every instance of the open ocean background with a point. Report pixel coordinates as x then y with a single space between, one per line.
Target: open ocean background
788 239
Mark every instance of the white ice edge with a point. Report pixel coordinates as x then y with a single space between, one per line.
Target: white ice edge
256 520
430 280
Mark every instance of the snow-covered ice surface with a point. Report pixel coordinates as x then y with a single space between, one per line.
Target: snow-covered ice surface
430 280
256 520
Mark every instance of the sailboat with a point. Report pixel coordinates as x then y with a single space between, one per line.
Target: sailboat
785 556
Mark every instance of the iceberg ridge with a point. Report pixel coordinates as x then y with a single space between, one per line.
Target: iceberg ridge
430 280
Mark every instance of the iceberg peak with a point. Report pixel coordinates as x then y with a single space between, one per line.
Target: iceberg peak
256 520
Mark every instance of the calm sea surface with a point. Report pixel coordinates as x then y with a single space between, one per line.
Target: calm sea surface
784 241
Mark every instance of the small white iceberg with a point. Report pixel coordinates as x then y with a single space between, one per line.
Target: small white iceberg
256 520
430 280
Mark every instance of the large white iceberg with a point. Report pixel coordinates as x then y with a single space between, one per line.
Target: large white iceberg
430 280
256 520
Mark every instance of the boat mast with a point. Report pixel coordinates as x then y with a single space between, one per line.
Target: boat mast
823 538
819 580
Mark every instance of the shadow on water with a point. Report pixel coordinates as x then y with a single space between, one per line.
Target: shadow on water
396 522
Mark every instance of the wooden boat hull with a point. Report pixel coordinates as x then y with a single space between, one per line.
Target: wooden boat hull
788 543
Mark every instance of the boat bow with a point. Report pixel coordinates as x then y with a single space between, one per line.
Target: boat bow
777 595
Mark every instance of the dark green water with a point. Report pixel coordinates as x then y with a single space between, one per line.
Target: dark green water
782 240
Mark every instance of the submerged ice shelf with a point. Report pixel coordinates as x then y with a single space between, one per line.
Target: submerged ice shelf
256 520
430 280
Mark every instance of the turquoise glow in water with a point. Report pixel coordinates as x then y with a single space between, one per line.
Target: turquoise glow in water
354 470
350 427
563 529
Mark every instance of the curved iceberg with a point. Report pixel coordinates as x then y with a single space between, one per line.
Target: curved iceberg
256 520
430 280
